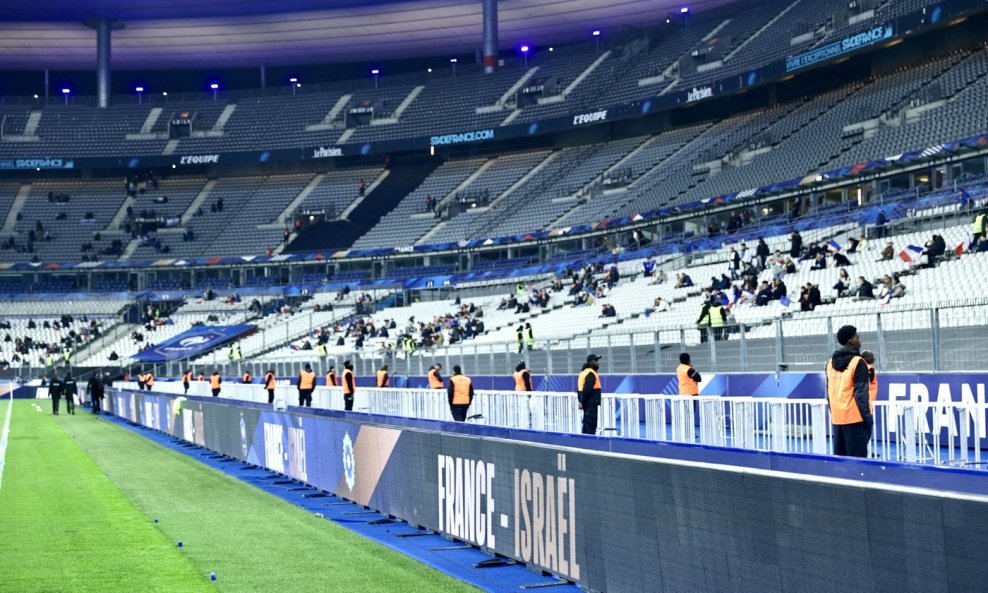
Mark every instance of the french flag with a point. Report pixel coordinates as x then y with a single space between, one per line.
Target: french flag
784 301
910 254
833 246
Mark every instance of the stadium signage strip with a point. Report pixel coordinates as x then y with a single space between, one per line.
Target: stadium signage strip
323 152
698 94
554 502
200 159
37 164
590 118
838 48
465 137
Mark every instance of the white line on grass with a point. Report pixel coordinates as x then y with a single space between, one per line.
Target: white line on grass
5 434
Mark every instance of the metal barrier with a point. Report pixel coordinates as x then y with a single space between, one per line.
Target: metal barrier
905 431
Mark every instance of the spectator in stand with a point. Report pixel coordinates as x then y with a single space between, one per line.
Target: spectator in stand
661 278
762 252
809 297
428 203
819 262
361 188
888 253
734 260
898 288
865 290
778 289
843 283
683 281
660 305
764 294
795 245
935 248
608 311
840 260
880 224
648 267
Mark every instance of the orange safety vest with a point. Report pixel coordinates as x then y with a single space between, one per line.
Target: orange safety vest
461 390
187 377
382 378
201 377
248 378
434 382
331 379
214 381
687 386
140 377
582 378
520 380
872 386
840 393
149 380
346 385
306 380
269 381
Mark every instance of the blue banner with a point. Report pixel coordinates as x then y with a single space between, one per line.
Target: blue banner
195 341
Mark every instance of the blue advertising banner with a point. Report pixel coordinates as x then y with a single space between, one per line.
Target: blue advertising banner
195 341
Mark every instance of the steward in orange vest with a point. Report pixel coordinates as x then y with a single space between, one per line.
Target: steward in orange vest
331 378
306 384
589 394
214 383
148 380
269 384
349 385
460 392
523 379
689 378
848 384
869 358
247 377
435 379
382 377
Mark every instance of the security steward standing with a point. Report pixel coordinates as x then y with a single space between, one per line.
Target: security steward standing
435 379
140 380
70 389
215 381
186 379
96 393
460 392
331 377
523 379
847 391
148 380
349 386
589 393
248 378
383 380
689 378
306 383
269 385
55 392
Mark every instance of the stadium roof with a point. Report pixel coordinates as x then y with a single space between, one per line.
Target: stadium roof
37 34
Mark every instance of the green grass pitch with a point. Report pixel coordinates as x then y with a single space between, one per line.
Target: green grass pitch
77 503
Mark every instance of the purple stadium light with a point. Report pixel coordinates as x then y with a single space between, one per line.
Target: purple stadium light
524 52
375 73
140 93
66 92
596 33
596 37
215 86
684 10
295 84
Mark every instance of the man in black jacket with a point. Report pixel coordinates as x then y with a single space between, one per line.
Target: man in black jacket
847 393
70 389
55 392
96 392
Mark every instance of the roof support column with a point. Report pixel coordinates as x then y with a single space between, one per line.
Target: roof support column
103 36
490 36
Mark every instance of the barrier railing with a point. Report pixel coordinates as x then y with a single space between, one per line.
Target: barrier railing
906 431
